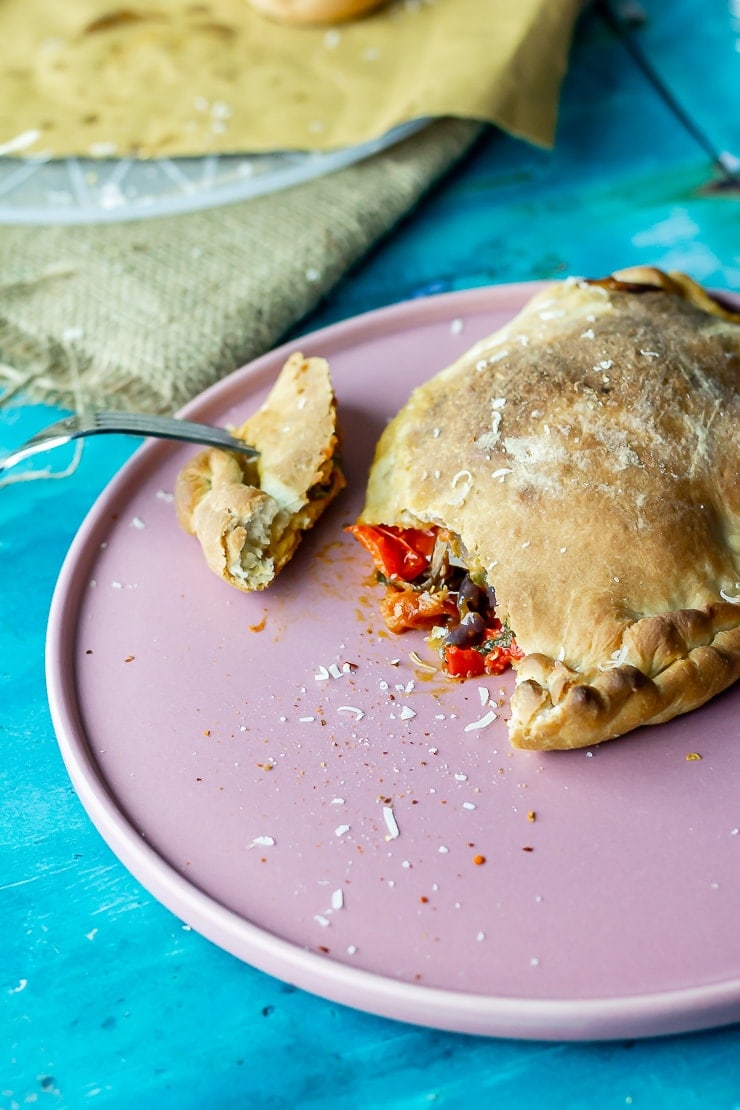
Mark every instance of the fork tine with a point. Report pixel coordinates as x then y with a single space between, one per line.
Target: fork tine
42 441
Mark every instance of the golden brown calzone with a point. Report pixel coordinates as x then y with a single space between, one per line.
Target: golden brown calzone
585 460
250 514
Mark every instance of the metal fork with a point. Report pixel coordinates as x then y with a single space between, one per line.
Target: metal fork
125 423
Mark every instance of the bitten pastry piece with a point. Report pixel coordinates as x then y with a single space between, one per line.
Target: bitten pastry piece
314 11
583 461
250 514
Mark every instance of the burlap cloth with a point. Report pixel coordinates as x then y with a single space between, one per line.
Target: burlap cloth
144 315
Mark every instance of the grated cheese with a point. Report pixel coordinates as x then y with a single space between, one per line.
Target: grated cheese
464 480
497 357
358 713
616 659
391 824
416 658
483 722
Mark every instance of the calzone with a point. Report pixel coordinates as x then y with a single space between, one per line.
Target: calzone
565 497
250 515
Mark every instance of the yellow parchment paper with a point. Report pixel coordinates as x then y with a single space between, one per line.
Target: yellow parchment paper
180 77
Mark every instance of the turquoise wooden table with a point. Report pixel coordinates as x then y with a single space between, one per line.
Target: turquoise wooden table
106 998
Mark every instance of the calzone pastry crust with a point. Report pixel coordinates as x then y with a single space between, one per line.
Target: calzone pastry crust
583 462
250 514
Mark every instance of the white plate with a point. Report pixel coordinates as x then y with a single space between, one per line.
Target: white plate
86 190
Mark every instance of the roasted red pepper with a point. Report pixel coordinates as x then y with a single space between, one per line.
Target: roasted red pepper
397 552
410 608
498 660
463 662
471 662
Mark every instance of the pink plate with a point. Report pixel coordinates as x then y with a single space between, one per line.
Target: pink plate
278 772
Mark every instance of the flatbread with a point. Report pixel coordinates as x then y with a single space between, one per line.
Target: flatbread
249 515
187 78
586 458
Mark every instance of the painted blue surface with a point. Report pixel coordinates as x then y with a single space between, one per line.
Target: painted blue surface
106 999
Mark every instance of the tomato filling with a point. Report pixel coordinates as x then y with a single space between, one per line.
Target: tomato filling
427 589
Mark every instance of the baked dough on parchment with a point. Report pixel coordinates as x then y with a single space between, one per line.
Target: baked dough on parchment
586 455
250 514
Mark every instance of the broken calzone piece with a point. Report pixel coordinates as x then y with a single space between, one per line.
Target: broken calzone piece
250 514
566 497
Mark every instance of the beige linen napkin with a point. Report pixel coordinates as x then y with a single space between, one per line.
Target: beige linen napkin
144 315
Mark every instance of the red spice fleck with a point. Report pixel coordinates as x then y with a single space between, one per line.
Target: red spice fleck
528 849
423 898
128 659
323 948
478 860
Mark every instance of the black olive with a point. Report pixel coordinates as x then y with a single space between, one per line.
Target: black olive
491 595
469 631
469 596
